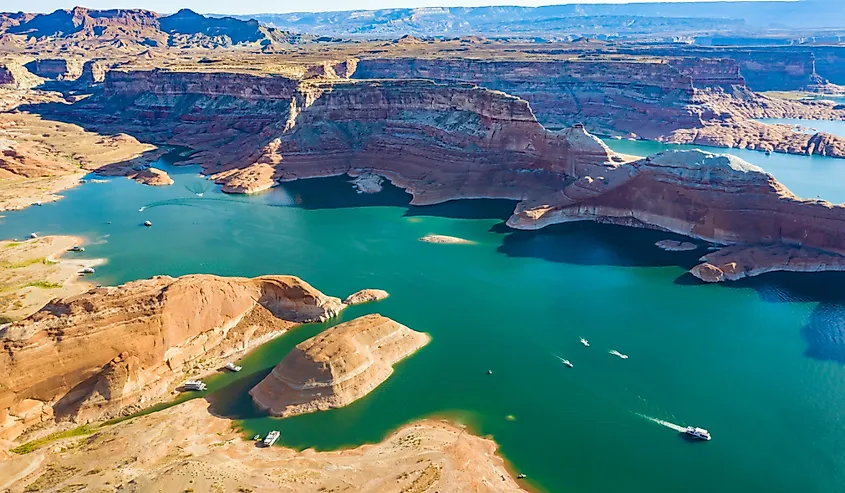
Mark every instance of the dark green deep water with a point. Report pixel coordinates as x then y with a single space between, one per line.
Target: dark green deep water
759 363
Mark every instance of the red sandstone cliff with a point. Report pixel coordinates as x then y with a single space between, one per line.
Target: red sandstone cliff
717 198
684 100
438 141
92 355
448 141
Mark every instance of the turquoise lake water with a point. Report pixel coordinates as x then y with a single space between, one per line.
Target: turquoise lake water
805 176
759 363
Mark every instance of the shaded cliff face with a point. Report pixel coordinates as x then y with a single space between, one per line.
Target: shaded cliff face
717 198
647 98
336 367
13 75
438 141
90 355
688 100
56 68
764 69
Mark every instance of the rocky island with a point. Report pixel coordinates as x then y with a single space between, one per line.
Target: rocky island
337 367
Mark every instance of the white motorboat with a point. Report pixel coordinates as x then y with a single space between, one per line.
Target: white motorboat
197 385
566 362
585 342
699 433
617 353
233 367
271 438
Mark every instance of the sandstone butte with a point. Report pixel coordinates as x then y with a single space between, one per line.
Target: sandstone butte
152 177
365 296
110 350
187 448
336 367
716 198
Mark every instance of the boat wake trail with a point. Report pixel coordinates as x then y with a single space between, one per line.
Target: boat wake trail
559 357
673 426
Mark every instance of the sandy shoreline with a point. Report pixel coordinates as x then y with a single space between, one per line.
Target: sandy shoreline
39 158
186 447
35 271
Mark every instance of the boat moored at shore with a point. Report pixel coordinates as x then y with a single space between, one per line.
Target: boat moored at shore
195 385
271 438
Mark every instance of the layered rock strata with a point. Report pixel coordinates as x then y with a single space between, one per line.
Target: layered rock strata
739 261
684 100
717 198
13 75
92 355
439 142
132 31
39 158
336 367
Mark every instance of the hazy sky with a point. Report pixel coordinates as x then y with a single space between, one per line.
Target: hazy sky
257 6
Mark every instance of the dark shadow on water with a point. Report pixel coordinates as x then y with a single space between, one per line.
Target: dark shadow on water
588 243
596 244
336 192
687 279
824 332
468 209
233 401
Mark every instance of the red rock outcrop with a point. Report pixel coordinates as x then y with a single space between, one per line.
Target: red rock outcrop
365 296
437 141
738 261
449 141
91 355
152 177
57 68
683 100
13 75
717 198
337 367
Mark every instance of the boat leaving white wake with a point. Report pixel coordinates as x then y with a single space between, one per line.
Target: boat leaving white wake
672 426
617 353
141 209
563 360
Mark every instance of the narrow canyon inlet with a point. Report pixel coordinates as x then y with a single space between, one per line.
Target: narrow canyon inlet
570 248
